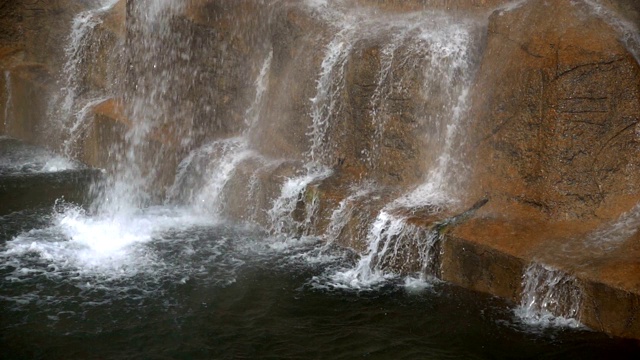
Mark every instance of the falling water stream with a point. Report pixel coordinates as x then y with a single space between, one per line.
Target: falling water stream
138 274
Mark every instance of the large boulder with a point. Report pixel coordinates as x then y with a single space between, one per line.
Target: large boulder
556 113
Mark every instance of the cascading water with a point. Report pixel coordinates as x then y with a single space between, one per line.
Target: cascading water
329 85
70 107
550 297
154 58
171 272
391 240
447 50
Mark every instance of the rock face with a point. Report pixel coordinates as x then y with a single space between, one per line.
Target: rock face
316 119
33 63
556 112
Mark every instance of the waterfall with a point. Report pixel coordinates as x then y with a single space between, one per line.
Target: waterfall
70 103
550 297
158 62
391 239
447 50
329 85
206 172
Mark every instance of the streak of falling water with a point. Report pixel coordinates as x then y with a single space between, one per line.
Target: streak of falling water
550 297
252 114
158 63
211 196
281 213
382 91
326 102
341 216
9 101
81 123
452 48
76 52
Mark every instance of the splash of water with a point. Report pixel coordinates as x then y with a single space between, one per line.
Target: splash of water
389 239
611 235
550 297
87 246
20 159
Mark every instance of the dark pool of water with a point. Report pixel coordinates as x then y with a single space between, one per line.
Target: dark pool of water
165 283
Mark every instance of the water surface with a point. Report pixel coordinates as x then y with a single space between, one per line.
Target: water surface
166 283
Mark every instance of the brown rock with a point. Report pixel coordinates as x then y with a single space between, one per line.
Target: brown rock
555 111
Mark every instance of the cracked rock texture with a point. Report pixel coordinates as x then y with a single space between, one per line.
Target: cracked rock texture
556 112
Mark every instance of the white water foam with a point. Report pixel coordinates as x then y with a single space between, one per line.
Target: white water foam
550 298
20 158
368 273
80 246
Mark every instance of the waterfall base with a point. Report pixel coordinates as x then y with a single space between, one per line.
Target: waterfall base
490 253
